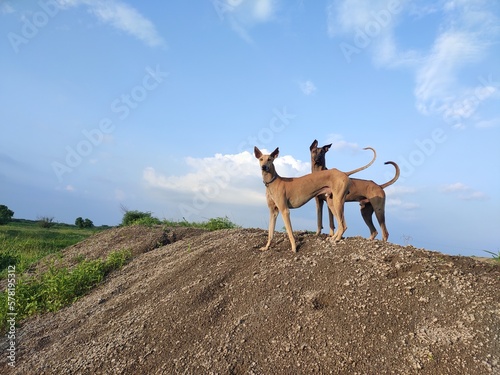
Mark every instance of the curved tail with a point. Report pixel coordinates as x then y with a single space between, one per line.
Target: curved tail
388 183
367 165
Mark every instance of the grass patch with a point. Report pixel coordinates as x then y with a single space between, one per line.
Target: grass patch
495 256
24 243
58 287
211 224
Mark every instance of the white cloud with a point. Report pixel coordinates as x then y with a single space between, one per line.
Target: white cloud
230 179
401 204
458 186
307 87
339 143
245 14
463 192
368 25
399 197
6 8
122 17
485 124
467 31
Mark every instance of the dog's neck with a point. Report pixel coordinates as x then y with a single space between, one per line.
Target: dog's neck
267 183
268 177
318 165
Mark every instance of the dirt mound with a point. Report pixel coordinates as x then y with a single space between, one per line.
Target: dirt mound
211 302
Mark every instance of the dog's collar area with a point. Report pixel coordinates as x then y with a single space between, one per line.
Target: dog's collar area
269 182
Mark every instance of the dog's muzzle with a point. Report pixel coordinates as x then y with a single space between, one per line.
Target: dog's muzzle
265 168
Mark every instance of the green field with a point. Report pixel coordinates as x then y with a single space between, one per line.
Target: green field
24 242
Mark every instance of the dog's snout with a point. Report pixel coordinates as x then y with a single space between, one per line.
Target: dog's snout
265 168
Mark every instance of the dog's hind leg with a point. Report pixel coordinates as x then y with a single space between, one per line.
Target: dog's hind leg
367 212
379 208
336 205
319 214
332 223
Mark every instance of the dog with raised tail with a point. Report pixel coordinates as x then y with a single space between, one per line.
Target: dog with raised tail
371 196
284 193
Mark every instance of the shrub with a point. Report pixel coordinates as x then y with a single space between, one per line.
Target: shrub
139 217
46 222
5 214
220 223
147 221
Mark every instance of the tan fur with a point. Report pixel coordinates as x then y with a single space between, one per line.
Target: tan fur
285 193
370 195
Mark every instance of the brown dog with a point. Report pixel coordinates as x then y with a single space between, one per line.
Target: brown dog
284 193
370 196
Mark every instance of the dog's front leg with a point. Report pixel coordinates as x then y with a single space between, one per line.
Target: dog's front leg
273 214
288 225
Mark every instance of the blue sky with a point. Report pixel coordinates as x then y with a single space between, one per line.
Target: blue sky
156 106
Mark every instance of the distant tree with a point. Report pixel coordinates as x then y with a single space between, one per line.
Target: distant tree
5 214
87 223
80 223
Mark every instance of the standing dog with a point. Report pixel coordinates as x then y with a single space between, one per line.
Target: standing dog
371 197
284 193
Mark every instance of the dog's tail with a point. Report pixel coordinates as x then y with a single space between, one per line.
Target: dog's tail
367 165
388 183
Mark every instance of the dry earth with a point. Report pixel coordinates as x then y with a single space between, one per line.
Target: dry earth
196 302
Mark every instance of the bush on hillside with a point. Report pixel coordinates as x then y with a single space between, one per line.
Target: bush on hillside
138 217
5 214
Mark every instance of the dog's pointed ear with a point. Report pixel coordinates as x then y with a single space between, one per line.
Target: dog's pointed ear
313 145
327 147
275 153
257 152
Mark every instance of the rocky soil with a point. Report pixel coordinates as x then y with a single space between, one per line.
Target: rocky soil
196 302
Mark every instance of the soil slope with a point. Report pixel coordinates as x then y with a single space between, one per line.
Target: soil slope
196 302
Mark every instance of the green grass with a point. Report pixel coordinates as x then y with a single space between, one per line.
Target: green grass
211 224
57 287
23 243
495 256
